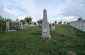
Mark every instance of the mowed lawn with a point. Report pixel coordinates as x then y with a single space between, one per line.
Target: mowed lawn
30 42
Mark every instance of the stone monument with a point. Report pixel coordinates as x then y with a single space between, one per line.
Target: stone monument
45 25
53 26
21 25
7 26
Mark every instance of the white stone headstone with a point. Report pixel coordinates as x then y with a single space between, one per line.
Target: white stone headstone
53 28
21 25
45 25
7 26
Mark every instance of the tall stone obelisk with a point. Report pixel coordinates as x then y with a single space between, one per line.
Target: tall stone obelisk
45 25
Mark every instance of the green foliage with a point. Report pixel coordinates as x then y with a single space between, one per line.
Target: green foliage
55 22
40 21
28 19
34 23
64 22
80 18
3 21
23 21
17 21
60 22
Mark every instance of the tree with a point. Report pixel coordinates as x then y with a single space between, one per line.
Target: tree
3 22
64 22
35 23
17 21
60 22
28 19
40 21
55 22
80 18
23 21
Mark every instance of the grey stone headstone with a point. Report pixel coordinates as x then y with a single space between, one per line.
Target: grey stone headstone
53 28
45 25
7 26
21 25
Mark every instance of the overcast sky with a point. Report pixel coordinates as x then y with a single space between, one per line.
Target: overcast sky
65 10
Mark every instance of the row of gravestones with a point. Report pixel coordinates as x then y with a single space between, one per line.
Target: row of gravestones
21 26
45 26
8 26
78 24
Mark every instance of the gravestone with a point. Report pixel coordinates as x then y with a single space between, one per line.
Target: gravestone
20 25
7 26
45 25
53 26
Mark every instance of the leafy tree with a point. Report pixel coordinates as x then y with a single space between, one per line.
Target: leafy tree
55 22
23 21
40 21
80 18
28 19
35 23
60 22
3 22
68 23
64 22
17 21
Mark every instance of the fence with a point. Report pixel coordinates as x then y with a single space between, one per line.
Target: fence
78 24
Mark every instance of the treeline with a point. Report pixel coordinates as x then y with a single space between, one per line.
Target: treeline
3 22
16 22
26 20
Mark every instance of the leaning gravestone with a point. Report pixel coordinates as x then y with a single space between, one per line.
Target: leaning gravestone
7 26
53 27
45 25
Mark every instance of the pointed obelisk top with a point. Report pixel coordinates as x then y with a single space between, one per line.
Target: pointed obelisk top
45 15
44 10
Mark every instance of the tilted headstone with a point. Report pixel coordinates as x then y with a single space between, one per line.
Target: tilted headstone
53 27
71 53
45 25
7 26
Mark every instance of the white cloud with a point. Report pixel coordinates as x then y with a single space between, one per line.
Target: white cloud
8 12
75 9
11 11
66 10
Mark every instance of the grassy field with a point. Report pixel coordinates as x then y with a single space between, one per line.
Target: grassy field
30 42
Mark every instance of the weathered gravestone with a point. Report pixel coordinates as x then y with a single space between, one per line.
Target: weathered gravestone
45 25
53 27
21 25
7 26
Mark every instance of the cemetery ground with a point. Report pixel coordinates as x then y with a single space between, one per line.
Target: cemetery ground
30 42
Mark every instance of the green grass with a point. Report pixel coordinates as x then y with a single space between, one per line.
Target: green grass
30 42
